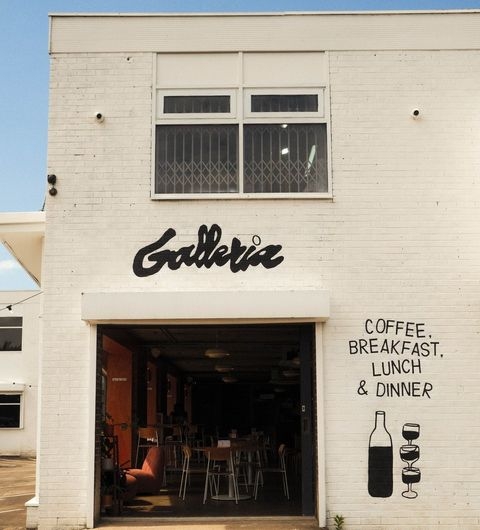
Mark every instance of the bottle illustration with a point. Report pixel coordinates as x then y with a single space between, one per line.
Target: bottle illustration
380 459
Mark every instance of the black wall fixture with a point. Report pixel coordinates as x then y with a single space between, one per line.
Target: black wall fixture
52 180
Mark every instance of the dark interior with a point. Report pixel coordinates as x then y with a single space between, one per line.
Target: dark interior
254 390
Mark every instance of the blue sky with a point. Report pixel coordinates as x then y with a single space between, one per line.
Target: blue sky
24 90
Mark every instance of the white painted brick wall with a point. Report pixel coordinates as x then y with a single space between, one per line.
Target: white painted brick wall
404 227
21 368
399 241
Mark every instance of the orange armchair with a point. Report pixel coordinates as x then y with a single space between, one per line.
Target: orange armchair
149 478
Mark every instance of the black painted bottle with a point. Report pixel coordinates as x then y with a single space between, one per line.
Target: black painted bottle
380 459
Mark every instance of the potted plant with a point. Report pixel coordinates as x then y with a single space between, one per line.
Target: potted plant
106 496
107 452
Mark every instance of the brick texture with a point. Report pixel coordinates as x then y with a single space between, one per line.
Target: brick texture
398 241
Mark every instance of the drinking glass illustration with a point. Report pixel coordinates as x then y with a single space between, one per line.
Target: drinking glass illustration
411 431
410 453
410 475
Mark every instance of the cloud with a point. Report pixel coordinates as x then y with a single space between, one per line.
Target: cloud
8 265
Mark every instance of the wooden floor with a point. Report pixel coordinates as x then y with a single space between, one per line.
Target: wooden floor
271 501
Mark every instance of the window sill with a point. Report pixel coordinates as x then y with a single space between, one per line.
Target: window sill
240 196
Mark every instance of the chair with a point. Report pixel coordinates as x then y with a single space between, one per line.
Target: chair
146 437
173 452
150 477
281 468
187 470
220 464
246 459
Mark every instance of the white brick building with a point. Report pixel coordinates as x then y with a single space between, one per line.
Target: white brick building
20 349
295 134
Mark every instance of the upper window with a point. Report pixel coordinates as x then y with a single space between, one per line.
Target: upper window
196 104
245 141
10 333
284 103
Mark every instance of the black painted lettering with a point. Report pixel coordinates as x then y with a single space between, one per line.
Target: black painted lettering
421 330
352 344
205 253
427 388
158 258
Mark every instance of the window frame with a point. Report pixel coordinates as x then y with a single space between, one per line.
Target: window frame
240 114
297 116
19 393
20 327
188 117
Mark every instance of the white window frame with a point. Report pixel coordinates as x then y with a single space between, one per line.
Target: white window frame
240 113
182 117
13 327
319 115
20 405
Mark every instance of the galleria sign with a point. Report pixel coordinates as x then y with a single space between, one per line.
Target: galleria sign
206 252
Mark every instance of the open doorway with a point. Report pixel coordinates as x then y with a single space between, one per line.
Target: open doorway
207 385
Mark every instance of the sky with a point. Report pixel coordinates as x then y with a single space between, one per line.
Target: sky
25 71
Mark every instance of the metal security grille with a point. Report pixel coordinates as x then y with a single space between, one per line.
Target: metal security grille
196 104
196 159
285 158
284 103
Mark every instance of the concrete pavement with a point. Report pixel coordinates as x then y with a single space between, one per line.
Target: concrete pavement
17 485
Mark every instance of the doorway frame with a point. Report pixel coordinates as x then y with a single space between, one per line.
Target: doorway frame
277 307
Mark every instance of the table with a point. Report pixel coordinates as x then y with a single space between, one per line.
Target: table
230 496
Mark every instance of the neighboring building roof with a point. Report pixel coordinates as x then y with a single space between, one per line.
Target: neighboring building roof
23 234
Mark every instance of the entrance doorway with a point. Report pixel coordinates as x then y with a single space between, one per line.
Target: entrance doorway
206 385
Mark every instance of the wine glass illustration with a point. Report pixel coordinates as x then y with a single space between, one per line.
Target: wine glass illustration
410 453
411 431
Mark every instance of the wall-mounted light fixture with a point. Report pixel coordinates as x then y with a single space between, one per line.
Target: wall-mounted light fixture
52 180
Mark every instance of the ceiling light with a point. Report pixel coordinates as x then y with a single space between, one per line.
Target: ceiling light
156 352
216 353
229 379
223 369
284 151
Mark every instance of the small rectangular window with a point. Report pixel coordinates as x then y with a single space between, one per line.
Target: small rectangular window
10 333
10 408
196 104
284 103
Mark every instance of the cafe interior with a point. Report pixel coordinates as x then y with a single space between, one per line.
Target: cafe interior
206 420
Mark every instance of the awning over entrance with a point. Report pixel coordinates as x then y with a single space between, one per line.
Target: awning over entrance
22 234
305 306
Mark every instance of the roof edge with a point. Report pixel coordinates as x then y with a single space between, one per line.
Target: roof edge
262 13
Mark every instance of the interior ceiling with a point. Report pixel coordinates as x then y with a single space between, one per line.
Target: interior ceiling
257 353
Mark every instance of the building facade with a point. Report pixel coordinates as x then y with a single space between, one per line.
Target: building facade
306 176
20 349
